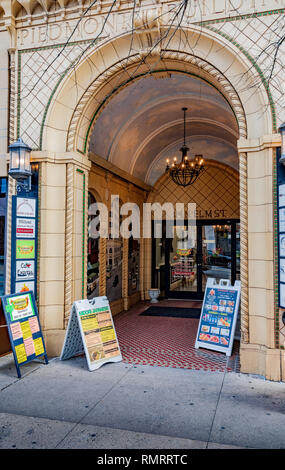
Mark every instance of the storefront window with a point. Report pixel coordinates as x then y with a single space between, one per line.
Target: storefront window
114 264
217 258
158 255
93 254
133 265
3 202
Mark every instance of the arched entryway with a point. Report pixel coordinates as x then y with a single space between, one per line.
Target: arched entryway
214 65
180 270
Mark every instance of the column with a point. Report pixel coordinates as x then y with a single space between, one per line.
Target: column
62 241
258 350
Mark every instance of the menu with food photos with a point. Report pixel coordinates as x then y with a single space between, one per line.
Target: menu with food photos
218 316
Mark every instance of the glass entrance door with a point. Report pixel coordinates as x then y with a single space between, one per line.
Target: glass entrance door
216 252
182 263
211 253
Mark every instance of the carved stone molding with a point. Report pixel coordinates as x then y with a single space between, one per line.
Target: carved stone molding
68 241
147 28
244 247
13 96
11 192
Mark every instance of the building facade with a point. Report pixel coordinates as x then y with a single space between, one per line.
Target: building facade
96 90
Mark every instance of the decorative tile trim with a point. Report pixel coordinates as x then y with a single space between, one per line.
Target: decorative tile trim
11 192
68 241
277 311
36 49
83 233
244 247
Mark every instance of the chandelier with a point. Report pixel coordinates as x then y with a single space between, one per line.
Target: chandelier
187 171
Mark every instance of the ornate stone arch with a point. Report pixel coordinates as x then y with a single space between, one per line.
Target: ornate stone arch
172 61
107 69
73 110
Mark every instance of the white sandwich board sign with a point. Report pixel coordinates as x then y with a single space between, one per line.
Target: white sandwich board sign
91 330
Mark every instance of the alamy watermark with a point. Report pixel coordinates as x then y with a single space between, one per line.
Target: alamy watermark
128 220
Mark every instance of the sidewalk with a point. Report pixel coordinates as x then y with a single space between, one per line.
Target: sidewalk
122 406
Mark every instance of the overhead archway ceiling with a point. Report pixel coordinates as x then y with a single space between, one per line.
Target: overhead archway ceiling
143 124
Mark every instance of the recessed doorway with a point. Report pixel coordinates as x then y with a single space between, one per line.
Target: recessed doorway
181 267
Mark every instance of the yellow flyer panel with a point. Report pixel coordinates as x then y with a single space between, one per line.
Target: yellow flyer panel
26 329
21 353
39 347
108 334
89 322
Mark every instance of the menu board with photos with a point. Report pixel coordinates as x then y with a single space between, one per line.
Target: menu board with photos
91 330
218 316
24 328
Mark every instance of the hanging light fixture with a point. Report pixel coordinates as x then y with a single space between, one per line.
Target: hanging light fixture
187 171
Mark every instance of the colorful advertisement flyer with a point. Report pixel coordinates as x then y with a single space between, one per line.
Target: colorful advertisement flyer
24 286
25 270
24 329
26 207
25 228
218 316
24 244
91 329
20 306
25 249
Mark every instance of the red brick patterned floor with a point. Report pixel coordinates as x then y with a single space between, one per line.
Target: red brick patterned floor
168 342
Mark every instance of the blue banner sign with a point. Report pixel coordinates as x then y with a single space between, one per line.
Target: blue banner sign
218 316
280 168
24 244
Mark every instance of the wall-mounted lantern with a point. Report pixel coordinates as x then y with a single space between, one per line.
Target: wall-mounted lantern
20 166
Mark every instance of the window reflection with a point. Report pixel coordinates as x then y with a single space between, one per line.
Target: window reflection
93 255
216 252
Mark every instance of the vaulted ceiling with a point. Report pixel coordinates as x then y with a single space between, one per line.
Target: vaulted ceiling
142 125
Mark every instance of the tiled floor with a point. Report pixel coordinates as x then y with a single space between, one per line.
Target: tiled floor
167 341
